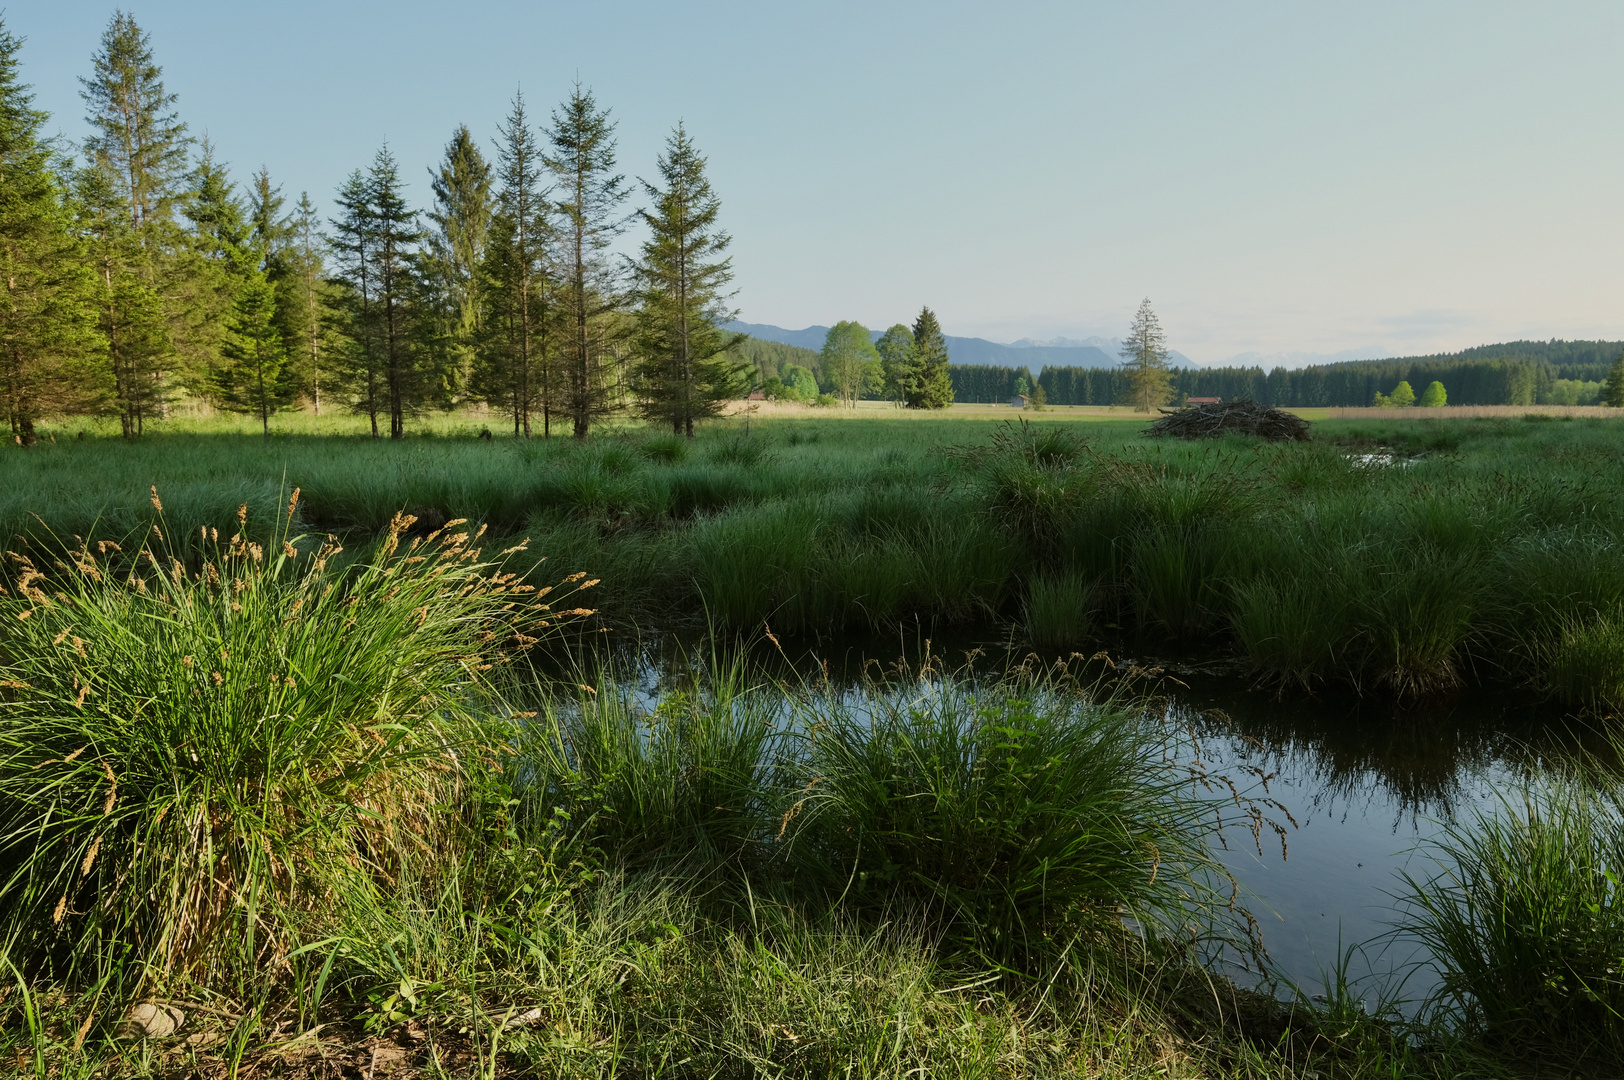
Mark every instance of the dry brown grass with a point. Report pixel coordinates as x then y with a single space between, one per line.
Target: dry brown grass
875 410
1470 412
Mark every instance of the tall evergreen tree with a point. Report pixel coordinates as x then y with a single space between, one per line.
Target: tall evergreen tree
129 313
896 347
928 385
590 193
303 301
252 378
138 158
686 370
453 249
49 348
1612 392
395 236
354 247
515 371
139 135
1144 359
203 277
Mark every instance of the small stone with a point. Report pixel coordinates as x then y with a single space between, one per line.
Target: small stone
150 1020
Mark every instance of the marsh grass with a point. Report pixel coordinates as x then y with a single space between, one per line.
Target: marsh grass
1463 564
197 756
1524 917
1029 823
1585 665
1060 609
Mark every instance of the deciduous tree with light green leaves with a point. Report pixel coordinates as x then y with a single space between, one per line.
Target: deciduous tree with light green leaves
1402 397
1144 358
1433 397
685 370
895 347
850 362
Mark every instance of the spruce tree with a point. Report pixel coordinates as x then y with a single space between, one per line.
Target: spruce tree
303 300
1612 393
129 313
454 248
136 168
139 135
1144 359
928 385
252 378
684 368
354 248
514 370
591 294
204 275
49 348
395 236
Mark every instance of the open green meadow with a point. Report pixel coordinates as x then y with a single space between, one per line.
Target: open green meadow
305 779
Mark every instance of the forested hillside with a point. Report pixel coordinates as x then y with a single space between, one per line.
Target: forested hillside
1515 373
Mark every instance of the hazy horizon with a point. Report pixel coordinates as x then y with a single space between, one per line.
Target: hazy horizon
1277 179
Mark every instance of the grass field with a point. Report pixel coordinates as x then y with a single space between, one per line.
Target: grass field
314 800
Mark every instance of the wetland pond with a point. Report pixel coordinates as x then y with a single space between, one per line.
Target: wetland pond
1364 782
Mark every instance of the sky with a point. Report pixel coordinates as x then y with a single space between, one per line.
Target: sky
1390 178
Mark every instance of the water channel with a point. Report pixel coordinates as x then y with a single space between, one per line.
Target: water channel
1366 782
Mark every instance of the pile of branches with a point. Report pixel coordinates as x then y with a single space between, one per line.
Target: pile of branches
1243 415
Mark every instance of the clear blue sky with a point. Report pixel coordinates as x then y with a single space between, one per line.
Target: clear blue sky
1275 177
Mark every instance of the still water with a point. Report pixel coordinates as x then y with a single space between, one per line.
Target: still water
1364 784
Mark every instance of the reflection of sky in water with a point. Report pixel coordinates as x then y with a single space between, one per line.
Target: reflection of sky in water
1366 785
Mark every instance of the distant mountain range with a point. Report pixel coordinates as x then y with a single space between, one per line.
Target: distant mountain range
1095 352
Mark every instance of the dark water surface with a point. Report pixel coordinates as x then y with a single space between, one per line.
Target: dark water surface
1365 784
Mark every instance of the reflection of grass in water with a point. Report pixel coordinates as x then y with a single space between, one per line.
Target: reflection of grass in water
1421 756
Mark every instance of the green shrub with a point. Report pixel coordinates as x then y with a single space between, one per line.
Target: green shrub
1292 628
683 785
1415 609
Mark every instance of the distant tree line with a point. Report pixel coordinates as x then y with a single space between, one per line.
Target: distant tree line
1495 381
137 272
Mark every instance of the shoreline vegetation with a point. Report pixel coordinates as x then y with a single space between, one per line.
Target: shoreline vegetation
220 852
